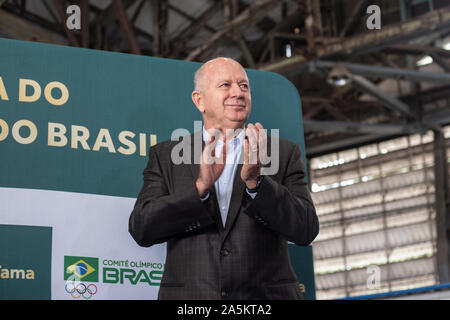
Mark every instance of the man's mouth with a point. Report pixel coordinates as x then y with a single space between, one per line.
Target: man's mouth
237 106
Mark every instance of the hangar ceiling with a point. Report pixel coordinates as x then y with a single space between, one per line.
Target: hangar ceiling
357 85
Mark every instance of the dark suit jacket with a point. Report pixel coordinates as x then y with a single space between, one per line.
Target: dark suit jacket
249 258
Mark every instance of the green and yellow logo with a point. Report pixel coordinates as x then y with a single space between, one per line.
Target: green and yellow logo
81 268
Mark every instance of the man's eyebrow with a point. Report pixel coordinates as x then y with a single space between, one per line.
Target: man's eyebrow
228 80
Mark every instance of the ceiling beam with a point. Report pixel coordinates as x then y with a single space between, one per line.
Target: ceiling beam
434 21
137 12
84 8
354 18
33 18
18 28
441 61
182 39
73 41
335 112
392 103
160 20
246 52
437 119
250 16
266 44
416 50
358 127
312 112
190 18
441 117
108 15
383 72
127 28
50 11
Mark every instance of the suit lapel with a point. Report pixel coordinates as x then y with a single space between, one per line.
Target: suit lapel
195 169
196 139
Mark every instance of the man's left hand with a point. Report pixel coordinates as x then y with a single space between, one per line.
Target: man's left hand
254 149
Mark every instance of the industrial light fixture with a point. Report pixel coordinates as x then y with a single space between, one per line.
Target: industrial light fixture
339 76
424 61
288 51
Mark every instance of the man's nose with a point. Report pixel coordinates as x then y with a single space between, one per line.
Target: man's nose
236 90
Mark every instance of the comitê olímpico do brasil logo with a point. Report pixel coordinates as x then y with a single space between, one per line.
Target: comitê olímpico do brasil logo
78 272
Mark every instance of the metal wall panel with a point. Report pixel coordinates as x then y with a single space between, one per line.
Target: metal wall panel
376 208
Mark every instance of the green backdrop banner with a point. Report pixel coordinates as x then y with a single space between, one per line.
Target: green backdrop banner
82 121
25 261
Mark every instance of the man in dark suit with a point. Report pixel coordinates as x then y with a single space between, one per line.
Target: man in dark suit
227 225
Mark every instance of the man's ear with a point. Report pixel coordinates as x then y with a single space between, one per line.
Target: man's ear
198 101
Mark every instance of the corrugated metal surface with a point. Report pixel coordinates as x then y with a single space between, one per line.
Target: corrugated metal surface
375 209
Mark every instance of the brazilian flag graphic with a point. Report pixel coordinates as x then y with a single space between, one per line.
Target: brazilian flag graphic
81 268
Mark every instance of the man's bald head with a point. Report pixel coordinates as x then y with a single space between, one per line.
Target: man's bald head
200 78
222 94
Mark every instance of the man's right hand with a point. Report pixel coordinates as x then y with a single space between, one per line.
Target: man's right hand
211 167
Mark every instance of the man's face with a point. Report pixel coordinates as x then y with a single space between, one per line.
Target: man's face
225 95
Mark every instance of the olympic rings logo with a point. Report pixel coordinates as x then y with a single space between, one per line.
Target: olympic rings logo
81 290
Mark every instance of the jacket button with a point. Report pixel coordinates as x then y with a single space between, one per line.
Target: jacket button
224 252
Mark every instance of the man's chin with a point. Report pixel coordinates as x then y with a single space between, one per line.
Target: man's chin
238 116
236 123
